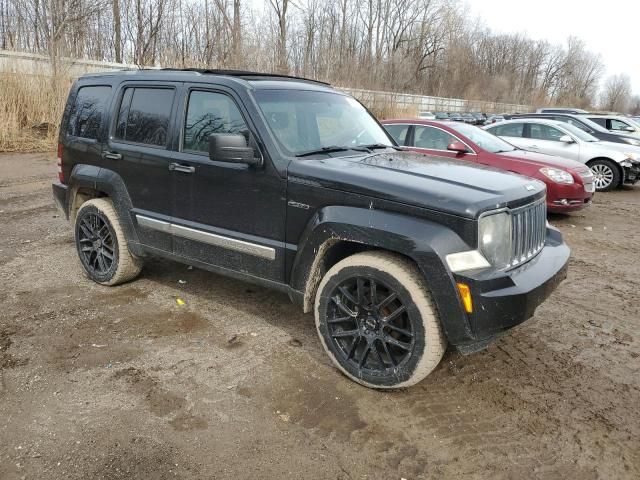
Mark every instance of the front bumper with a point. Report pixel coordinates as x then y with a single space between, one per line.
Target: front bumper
61 197
632 173
502 300
568 198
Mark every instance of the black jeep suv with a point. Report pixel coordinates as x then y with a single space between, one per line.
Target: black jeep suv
291 184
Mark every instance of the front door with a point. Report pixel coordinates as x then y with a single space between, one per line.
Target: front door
434 141
229 215
546 139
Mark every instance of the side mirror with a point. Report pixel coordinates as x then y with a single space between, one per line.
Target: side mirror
457 147
566 139
232 148
629 129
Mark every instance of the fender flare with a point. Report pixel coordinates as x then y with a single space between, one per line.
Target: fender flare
423 241
110 184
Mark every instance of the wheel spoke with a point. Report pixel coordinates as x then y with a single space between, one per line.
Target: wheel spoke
106 254
101 264
348 295
354 345
398 311
404 332
346 333
340 319
387 300
343 307
373 291
86 229
360 290
379 355
365 354
397 343
388 352
87 249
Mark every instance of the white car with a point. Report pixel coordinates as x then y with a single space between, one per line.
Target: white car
426 115
617 124
611 163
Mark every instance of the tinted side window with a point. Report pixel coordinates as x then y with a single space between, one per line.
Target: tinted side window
207 113
145 118
85 118
398 132
508 130
544 132
433 138
600 121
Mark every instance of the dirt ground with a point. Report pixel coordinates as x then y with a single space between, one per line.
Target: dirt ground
122 383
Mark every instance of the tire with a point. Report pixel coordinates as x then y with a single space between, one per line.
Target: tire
401 339
607 174
98 235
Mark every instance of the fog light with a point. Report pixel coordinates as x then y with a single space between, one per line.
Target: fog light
465 296
564 201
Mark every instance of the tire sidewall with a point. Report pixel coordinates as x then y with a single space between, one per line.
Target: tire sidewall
85 210
407 368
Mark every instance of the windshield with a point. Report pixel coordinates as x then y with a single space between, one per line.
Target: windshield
581 134
303 121
485 140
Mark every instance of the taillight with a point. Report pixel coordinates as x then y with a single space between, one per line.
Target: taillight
60 174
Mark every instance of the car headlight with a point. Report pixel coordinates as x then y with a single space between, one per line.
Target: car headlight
557 175
632 141
494 238
631 156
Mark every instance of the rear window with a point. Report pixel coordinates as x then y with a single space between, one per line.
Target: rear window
144 116
87 112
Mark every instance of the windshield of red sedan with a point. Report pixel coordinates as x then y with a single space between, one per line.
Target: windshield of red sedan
483 139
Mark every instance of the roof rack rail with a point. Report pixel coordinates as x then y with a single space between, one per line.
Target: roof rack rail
242 74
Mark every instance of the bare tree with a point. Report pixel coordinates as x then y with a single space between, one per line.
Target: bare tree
616 95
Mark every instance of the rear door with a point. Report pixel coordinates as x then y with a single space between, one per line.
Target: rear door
140 151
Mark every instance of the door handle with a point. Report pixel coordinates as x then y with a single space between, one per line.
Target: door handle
176 167
112 156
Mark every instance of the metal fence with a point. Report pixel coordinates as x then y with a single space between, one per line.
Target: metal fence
29 63
406 101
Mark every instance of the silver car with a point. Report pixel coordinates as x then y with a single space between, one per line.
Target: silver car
611 163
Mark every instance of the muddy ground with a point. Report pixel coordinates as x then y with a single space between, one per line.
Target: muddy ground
122 383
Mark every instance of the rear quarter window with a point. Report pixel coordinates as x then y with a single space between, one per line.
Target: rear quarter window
87 112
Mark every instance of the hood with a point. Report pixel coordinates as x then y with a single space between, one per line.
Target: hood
447 185
543 160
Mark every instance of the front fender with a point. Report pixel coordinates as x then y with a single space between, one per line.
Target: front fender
425 242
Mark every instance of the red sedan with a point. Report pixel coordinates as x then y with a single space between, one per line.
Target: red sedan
569 183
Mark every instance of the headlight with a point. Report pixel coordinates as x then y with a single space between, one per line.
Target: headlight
631 156
557 175
632 141
494 238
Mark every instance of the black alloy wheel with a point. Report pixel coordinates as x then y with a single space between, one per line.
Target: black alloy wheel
97 244
369 325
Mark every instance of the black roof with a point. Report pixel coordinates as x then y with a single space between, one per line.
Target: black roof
246 75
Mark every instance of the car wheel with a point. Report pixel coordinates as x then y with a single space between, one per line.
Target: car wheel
377 322
606 175
101 244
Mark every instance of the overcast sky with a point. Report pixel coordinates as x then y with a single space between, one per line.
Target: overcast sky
610 27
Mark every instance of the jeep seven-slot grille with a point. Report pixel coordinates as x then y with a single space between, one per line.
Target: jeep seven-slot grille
528 231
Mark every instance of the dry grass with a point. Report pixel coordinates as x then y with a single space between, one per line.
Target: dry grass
31 107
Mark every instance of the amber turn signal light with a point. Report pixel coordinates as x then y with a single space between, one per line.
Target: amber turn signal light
465 296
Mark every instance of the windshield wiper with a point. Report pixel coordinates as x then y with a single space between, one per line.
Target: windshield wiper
331 149
373 146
